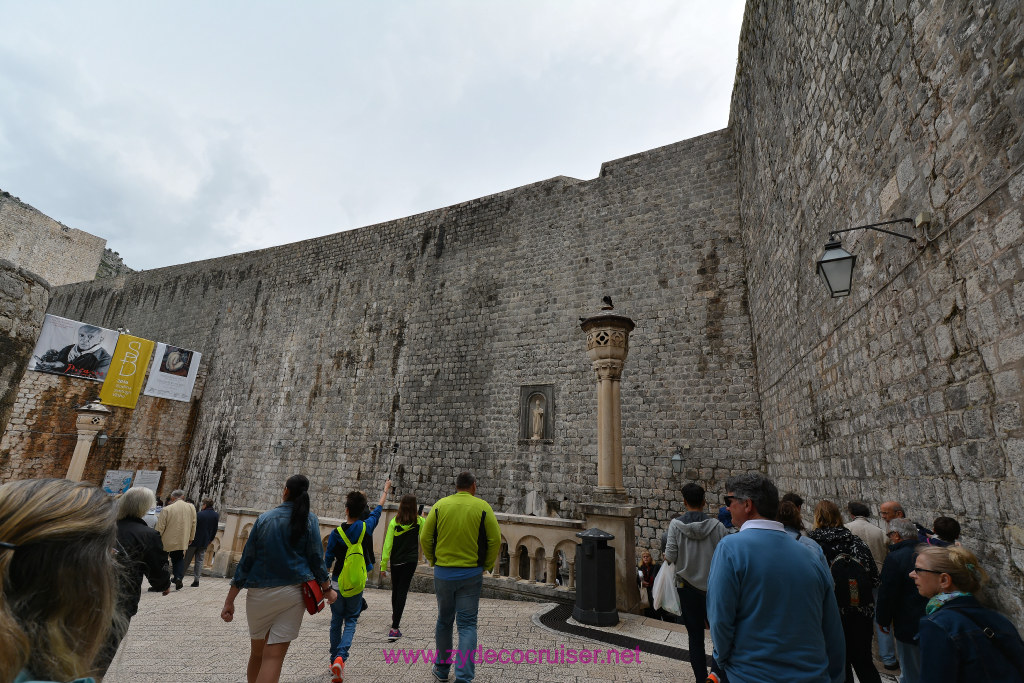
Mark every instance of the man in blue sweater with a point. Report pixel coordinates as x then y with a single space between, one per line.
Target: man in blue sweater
771 606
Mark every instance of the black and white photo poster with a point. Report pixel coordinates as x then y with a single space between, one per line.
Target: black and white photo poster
76 349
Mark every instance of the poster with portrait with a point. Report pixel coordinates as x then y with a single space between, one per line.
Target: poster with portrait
117 481
174 373
72 348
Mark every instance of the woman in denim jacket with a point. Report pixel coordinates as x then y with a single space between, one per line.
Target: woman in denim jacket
960 639
283 551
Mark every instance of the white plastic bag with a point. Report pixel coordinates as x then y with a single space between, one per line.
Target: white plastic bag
665 595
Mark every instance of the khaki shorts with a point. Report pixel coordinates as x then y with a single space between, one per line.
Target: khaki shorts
274 613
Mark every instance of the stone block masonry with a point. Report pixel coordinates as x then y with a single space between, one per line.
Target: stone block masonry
39 244
24 297
911 388
421 331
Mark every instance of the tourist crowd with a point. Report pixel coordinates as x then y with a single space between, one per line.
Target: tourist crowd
788 603
782 602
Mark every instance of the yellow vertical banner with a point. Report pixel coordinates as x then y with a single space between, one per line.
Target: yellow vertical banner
127 372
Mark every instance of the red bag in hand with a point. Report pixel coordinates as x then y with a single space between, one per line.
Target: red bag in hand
313 596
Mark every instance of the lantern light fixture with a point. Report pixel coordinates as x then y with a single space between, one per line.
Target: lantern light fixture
836 265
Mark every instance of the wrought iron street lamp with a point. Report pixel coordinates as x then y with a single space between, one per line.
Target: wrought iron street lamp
836 265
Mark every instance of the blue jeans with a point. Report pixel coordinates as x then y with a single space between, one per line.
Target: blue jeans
910 662
886 643
457 601
344 611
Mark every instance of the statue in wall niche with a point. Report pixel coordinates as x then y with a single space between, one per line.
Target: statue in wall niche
537 417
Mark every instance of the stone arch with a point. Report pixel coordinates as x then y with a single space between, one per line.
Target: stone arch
527 549
243 536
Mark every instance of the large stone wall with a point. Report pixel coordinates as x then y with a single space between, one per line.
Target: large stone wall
41 435
421 331
24 297
39 244
850 113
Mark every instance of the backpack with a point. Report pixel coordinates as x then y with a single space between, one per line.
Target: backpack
352 579
853 582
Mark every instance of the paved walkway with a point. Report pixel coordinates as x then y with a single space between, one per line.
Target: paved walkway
180 637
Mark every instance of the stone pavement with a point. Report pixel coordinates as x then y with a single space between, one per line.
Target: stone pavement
180 637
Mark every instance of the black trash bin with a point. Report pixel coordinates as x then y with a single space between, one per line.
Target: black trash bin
595 580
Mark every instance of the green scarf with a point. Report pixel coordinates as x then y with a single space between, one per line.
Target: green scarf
941 599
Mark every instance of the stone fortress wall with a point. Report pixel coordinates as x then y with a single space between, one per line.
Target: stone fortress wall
41 245
851 113
24 297
421 331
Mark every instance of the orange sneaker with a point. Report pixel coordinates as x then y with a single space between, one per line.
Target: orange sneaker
338 670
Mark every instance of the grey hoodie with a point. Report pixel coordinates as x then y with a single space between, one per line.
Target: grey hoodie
690 546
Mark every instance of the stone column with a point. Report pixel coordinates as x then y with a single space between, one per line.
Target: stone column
552 579
607 347
513 565
92 417
572 575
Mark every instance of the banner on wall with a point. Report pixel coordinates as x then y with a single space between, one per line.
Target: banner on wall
174 373
127 372
148 478
72 348
117 481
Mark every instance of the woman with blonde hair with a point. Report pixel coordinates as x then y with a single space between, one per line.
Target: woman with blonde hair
855 575
960 639
140 552
58 578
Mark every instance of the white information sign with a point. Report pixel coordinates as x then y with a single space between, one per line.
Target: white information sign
148 478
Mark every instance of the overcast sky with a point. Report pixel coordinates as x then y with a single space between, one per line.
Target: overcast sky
186 130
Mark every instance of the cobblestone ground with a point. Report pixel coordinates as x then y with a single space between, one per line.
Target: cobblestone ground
180 637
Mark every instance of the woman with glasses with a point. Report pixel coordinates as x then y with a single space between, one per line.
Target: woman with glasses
960 639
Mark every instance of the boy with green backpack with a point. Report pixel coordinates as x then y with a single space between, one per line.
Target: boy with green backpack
348 565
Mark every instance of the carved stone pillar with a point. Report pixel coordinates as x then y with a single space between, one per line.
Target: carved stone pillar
513 565
572 575
552 571
607 347
92 417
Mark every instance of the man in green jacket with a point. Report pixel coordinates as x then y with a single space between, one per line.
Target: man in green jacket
460 539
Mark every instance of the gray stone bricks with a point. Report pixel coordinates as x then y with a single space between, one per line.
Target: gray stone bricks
927 409
41 245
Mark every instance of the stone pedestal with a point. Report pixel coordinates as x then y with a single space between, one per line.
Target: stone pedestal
92 417
620 522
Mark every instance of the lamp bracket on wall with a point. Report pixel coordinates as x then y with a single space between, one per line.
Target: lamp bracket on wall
836 265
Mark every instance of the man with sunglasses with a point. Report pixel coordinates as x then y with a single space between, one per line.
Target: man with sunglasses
771 607
899 607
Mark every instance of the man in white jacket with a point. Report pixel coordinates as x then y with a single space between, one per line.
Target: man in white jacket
177 527
690 546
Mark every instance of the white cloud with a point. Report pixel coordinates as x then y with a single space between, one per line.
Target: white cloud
194 130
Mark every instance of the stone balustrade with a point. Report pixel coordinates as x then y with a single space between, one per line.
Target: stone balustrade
530 546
